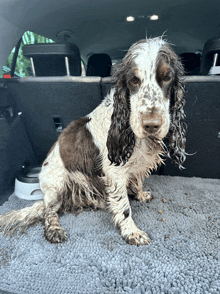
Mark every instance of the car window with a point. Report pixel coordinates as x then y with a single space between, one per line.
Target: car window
23 65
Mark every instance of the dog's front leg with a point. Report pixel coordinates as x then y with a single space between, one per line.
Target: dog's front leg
120 209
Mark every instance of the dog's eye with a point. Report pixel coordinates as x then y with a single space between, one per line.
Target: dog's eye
135 80
168 77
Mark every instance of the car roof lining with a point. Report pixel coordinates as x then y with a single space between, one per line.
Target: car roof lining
100 26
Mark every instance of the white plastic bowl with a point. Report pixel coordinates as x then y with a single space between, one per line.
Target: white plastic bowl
27 184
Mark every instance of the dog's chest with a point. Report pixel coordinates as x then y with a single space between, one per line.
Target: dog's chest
143 159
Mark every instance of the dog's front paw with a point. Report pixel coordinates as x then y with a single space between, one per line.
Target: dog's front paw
144 196
138 238
55 234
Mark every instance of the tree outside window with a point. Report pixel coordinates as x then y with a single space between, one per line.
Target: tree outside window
23 65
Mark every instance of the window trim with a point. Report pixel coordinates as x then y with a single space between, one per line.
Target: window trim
15 56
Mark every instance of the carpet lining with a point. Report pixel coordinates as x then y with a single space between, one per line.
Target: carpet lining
184 256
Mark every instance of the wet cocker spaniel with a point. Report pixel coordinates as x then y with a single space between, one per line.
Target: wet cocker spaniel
101 158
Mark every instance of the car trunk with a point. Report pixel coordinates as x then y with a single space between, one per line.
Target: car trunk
33 112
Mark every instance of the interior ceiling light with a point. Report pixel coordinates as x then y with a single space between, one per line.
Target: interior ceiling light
130 18
154 17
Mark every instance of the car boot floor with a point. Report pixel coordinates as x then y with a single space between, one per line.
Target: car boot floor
182 221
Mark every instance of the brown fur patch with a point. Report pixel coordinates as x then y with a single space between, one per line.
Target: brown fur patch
78 150
163 70
133 80
164 76
79 154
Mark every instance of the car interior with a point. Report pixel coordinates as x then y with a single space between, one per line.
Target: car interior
57 60
96 34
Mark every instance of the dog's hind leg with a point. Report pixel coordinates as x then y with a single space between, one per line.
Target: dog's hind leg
135 188
55 192
53 231
53 182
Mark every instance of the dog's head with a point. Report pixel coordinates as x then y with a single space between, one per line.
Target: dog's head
148 101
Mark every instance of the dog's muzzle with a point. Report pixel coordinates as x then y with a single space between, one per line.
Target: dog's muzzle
152 125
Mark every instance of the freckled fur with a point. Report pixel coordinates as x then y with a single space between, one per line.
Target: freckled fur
102 157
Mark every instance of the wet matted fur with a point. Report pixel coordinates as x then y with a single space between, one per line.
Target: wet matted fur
99 159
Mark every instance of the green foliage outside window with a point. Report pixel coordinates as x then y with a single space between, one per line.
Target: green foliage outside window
23 65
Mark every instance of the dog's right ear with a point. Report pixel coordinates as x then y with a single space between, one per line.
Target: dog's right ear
121 139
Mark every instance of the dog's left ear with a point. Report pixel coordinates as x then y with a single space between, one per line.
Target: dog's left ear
121 139
177 133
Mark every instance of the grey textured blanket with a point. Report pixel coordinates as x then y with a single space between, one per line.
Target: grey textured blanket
183 257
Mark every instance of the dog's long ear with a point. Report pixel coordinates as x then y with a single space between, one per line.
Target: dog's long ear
121 139
177 133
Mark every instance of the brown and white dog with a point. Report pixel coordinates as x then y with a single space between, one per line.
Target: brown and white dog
99 159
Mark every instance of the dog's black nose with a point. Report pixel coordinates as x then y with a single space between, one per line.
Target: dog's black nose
152 125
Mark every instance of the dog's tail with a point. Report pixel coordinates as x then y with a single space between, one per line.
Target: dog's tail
20 220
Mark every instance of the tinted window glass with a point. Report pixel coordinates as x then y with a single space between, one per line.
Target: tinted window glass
23 65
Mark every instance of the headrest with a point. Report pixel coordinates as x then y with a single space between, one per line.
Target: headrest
99 65
49 58
211 47
191 63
